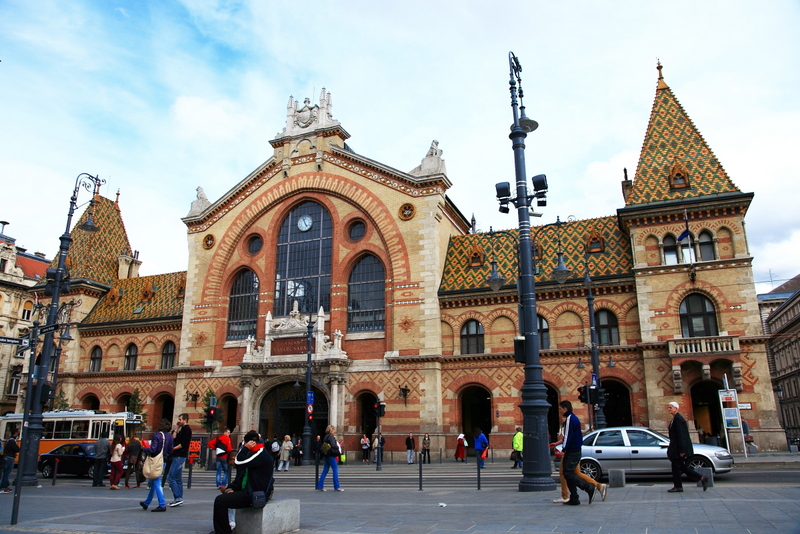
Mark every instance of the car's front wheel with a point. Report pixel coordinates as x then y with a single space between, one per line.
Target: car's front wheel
696 462
47 470
90 472
591 468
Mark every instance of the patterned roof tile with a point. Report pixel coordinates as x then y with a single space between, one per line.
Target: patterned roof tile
155 297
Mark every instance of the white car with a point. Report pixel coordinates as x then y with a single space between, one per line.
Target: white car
641 451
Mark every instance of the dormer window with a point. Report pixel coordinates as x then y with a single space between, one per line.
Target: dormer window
678 176
595 244
476 258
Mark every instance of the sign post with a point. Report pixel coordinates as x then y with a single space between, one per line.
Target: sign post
731 417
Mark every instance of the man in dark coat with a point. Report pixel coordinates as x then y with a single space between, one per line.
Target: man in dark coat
679 450
253 462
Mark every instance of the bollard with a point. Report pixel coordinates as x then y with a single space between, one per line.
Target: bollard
478 466
420 471
708 472
189 479
55 471
616 478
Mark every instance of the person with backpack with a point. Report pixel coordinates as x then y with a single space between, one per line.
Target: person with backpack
254 473
222 448
275 448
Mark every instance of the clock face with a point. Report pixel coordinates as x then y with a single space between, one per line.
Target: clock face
305 223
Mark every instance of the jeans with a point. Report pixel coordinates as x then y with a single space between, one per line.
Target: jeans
410 456
155 487
222 472
426 453
175 477
478 454
284 463
518 462
99 471
8 465
569 462
330 463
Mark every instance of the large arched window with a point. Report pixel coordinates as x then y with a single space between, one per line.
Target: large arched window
131 355
670 251
607 327
95 360
472 337
303 270
366 308
243 306
544 332
698 316
706 246
168 355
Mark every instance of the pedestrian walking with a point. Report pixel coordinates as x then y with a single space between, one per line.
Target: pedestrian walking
101 450
516 445
426 448
680 449
602 488
411 446
180 451
481 447
117 451
161 442
329 451
573 441
222 449
133 453
461 445
286 453
275 449
10 451
297 453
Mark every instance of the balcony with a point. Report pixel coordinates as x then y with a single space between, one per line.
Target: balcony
699 346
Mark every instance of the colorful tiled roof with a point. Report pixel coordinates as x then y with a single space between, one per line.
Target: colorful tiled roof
95 255
138 299
465 250
672 139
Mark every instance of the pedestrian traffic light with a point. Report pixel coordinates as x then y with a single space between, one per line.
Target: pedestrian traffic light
382 409
376 409
211 417
582 395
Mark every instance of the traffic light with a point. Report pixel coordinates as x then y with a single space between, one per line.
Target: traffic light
379 409
595 394
519 349
211 417
582 395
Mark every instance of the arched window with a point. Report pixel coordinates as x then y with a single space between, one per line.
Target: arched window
670 251
687 250
13 380
544 333
706 246
472 337
95 360
607 327
243 306
168 355
366 308
698 316
27 311
303 270
131 355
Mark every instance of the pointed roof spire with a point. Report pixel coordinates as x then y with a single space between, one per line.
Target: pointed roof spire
661 83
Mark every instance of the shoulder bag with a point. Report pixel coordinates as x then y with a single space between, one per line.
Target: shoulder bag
154 465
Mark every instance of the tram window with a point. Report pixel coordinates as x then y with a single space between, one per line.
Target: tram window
80 429
63 429
47 433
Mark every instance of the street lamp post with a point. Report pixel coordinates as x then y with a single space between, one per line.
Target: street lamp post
599 392
536 466
309 401
779 391
59 278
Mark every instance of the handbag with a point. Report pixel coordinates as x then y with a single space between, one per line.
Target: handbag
485 453
154 465
259 498
513 456
325 448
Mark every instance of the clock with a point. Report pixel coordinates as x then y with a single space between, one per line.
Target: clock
305 223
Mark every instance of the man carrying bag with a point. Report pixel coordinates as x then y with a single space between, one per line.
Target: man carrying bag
252 486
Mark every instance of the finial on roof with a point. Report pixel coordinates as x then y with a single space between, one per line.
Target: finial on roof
117 200
661 83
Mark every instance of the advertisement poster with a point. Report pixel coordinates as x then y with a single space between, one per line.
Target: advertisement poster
731 416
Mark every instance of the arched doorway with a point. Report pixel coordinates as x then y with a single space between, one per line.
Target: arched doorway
163 408
706 411
122 402
476 412
369 423
283 411
553 423
230 406
91 402
618 404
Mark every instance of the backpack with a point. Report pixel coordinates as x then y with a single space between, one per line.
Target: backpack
276 447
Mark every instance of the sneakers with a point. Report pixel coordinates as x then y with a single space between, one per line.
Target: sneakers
562 500
603 491
338 489
320 489
143 505
176 502
6 490
592 492
159 509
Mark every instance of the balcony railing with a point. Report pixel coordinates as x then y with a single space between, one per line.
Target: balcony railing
703 345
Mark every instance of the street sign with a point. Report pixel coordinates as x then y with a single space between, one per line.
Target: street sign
594 380
310 397
745 406
47 329
14 341
310 409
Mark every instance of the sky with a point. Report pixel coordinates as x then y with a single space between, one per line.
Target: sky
160 97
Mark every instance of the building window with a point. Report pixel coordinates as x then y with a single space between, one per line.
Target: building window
544 332
168 355
706 246
254 244
687 250
698 316
607 327
303 270
131 355
95 360
670 251
472 337
27 311
3 264
13 380
243 306
357 230
366 296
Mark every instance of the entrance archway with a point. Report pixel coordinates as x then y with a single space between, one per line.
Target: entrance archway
283 411
369 423
476 412
163 409
230 406
618 404
91 402
553 423
706 411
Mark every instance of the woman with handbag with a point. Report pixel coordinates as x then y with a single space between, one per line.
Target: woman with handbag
329 451
461 445
286 453
160 447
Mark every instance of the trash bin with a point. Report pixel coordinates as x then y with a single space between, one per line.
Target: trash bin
712 440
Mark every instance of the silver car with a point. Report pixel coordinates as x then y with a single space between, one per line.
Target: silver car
641 451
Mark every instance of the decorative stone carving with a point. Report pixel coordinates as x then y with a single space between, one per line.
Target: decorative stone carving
199 205
677 379
296 326
301 120
706 371
737 376
432 163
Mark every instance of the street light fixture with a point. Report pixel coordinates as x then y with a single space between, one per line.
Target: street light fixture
536 468
59 280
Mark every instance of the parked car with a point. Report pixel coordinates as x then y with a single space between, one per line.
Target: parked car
73 459
641 451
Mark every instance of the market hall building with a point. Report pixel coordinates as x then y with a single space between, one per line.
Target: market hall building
392 278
